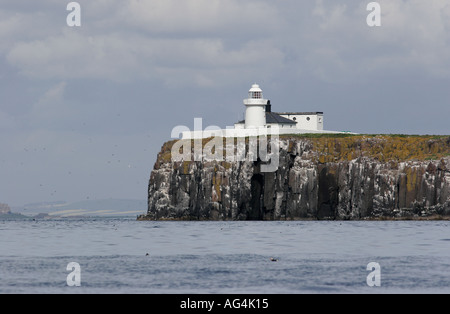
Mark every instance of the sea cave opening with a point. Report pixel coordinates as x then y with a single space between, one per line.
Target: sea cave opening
257 196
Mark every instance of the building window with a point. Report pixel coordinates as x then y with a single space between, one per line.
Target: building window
308 118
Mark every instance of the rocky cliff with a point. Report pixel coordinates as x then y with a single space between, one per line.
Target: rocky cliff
318 177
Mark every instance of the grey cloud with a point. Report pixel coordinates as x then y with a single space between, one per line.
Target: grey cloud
333 35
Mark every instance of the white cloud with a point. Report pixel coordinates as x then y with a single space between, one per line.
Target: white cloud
163 40
146 39
421 29
414 35
115 57
202 16
72 55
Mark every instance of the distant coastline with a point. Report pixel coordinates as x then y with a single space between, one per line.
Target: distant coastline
79 209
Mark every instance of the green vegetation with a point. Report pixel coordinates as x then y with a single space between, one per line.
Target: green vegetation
318 135
383 148
345 146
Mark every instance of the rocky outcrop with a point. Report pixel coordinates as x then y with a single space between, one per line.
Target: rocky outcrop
318 177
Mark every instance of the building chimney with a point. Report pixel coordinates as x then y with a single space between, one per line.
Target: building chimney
268 106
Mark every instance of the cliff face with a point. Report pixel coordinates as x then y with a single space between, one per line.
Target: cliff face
318 177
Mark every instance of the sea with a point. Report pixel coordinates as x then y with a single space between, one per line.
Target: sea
101 255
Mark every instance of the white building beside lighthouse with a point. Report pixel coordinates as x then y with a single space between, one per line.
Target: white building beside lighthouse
258 113
260 119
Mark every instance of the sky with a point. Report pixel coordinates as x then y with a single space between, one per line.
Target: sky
84 110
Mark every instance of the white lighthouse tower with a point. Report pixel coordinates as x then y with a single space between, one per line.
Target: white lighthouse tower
255 116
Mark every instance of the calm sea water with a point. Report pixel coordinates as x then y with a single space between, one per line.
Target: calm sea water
128 256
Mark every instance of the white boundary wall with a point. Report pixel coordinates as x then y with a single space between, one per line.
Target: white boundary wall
251 132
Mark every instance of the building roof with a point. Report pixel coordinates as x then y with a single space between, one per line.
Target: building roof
272 117
255 88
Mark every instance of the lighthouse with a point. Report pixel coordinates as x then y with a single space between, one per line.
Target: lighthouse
255 115
261 120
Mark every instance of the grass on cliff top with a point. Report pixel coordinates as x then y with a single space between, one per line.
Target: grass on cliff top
345 146
345 135
384 148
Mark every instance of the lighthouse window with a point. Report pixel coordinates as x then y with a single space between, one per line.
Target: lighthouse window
256 95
